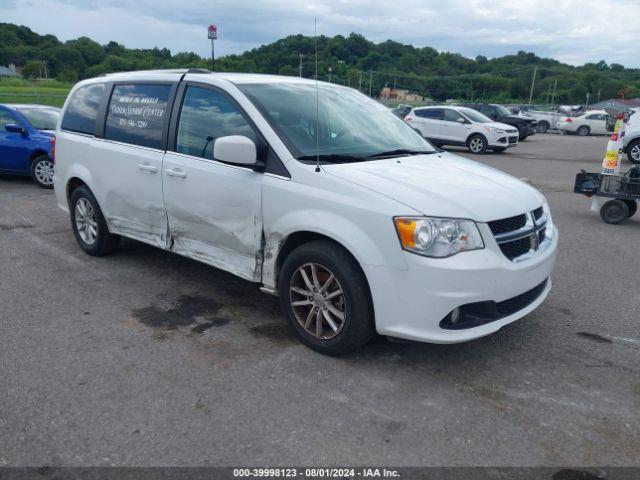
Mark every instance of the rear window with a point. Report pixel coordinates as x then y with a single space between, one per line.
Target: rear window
137 114
80 115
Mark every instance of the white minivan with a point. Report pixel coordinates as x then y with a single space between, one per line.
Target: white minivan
313 191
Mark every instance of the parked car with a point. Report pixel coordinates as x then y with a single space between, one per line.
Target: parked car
27 141
545 119
593 122
402 110
631 139
499 113
462 126
315 192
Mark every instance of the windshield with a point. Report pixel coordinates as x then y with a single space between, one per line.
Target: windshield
503 110
346 124
41 118
474 115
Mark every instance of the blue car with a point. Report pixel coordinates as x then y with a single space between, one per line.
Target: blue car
27 141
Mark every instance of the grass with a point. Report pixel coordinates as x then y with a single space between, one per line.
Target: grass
45 92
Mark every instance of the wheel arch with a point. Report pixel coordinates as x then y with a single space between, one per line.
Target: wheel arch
476 134
38 152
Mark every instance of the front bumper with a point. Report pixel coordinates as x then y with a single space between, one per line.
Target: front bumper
412 303
503 140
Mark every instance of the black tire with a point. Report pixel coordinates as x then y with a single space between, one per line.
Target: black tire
633 151
543 127
523 133
104 242
499 149
614 212
358 325
632 206
477 144
41 171
583 131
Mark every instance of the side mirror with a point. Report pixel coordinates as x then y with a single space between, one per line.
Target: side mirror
14 128
236 149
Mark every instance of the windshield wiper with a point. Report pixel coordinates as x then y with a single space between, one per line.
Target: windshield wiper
400 151
333 158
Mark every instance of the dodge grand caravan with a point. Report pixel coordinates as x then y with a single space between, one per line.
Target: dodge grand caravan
315 192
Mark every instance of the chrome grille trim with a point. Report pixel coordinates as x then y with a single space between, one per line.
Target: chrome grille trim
534 229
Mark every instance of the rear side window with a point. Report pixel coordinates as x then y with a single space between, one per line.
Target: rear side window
433 113
80 115
205 116
137 114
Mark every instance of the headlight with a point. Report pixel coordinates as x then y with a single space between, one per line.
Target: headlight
494 130
437 237
547 213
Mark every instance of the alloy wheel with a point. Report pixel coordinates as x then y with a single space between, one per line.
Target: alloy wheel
476 145
318 301
44 172
86 222
635 152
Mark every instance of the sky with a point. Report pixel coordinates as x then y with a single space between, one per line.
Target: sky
572 31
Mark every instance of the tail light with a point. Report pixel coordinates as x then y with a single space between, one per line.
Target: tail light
568 120
53 150
408 118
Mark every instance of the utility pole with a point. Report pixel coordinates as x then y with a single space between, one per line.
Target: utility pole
212 34
300 66
330 71
548 95
370 81
598 101
533 82
553 97
588 95
360 82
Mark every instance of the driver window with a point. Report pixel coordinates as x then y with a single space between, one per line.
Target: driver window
5 119
205 116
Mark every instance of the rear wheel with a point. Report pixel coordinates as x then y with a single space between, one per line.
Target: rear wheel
89 225
583 131
632 206
543 127
633 151
326 299
42 171
477 144
614 211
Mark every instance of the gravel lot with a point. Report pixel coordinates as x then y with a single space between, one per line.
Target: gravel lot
147 358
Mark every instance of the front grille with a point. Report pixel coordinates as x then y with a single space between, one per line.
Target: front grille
513 139
516 248
519 235
512 305
537 213
511 130
507 225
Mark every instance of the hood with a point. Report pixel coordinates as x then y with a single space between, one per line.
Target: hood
517 119
443 185
503 126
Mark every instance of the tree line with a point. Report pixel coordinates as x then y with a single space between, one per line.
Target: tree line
351 60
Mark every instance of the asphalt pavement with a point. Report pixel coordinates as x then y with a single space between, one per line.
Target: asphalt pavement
150 359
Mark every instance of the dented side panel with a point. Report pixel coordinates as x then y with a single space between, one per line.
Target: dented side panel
215 213
130 197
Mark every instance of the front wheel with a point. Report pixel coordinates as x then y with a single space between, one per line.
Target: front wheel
542 127
633 152
477 144
42 171
88 224
614 211
326 299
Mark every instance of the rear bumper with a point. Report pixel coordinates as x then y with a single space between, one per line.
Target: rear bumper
412 303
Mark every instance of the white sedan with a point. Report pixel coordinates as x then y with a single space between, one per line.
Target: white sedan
593 122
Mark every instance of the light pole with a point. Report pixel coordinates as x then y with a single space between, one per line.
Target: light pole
300 66
330 70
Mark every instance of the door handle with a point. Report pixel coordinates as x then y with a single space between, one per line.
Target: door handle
176 172
148 168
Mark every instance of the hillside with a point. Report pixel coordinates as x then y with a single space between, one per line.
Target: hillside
353 61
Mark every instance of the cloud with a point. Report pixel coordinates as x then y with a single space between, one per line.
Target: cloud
570 30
